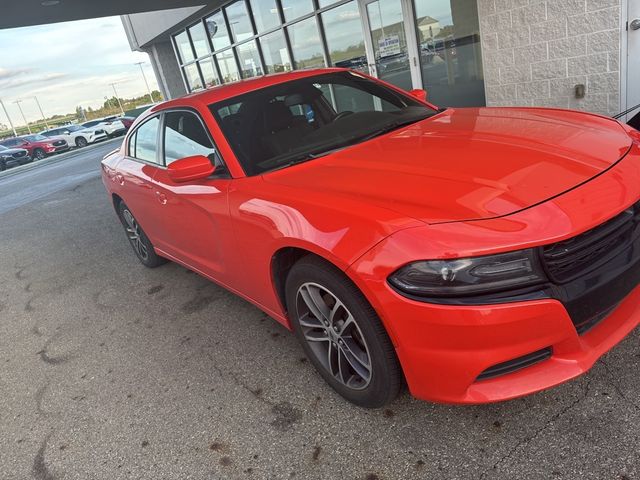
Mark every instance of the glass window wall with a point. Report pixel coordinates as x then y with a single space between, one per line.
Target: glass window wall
306 44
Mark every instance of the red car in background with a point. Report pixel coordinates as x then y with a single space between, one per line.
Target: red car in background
38 146
477 254
127 121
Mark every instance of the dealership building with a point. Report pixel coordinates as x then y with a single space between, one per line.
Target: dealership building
580 54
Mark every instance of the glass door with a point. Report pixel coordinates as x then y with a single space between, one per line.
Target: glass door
390 41
450 59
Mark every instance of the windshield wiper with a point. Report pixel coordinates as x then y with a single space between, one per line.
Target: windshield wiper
388 128
306 157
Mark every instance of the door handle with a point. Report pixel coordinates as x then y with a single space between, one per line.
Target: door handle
635 24
162 198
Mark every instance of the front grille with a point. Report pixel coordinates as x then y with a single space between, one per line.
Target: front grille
99 132
569 259
59 143
516 364
20 154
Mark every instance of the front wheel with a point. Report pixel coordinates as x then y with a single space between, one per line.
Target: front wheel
81 142
39 154
341 334
141 244
3 166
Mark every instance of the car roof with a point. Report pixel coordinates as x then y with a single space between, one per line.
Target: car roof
229 90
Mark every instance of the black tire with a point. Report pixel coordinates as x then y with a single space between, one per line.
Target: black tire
81 142
385 375
39 154
3 166
142 246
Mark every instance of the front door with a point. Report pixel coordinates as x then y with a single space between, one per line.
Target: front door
196 228
633 57
390 39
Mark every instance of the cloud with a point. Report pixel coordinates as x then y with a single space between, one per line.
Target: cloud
68 64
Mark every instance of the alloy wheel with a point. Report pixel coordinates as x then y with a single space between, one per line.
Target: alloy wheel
333 335
135 235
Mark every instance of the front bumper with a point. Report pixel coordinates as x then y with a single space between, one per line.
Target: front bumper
445 348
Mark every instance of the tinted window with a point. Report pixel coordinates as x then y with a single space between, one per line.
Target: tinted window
239 21
217 31
184 47
305 44
296 121
92 123
184 136
265 14
144 146
12 142
74 128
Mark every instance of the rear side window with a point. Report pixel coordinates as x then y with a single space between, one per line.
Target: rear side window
184 136
143 144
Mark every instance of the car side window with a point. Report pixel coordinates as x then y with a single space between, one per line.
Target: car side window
143 143
185 136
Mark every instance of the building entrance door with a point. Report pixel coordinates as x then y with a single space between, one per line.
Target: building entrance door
390 39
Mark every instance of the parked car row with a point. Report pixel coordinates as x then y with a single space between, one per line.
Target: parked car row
26 148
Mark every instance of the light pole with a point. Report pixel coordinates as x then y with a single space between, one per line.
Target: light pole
113 85
145 79
8 118
41 112
18 102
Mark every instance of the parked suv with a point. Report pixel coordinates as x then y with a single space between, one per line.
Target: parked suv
76 135
112 126
11 157
38 146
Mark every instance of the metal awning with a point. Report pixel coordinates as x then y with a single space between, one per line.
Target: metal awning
25 13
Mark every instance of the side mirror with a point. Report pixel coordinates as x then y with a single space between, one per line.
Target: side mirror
190 168
419 94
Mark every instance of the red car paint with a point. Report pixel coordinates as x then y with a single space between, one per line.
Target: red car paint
465 182
33 143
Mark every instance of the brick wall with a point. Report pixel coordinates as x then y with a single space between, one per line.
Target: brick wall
536 51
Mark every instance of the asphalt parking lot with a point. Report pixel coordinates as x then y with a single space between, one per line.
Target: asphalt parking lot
113 371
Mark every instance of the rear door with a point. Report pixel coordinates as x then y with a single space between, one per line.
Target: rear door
195 215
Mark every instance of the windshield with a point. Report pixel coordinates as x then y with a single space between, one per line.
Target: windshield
91 123
36 138
74 128
303 119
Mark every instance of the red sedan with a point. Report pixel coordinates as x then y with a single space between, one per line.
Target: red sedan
476 254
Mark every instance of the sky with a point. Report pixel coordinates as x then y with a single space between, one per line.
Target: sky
66 65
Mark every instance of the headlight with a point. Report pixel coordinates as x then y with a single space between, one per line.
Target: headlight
468 276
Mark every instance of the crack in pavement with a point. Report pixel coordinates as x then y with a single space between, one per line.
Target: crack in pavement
610 377
528 439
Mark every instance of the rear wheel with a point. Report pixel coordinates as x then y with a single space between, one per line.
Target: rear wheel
341 334
39 154
81 142
141 244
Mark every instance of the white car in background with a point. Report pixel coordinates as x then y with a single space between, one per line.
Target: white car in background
111 125
76 135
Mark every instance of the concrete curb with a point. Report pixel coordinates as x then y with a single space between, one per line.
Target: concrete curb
57 158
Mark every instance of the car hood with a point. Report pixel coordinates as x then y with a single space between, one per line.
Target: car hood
468 164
